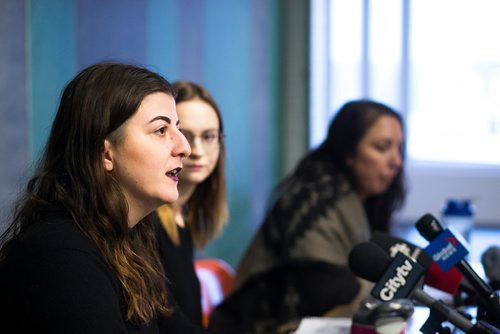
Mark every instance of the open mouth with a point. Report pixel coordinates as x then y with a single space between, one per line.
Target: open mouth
174 173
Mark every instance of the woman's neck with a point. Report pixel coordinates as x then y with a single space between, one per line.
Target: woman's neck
185 192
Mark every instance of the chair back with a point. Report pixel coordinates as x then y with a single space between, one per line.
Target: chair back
216 281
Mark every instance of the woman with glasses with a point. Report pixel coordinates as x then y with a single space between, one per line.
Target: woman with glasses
201 210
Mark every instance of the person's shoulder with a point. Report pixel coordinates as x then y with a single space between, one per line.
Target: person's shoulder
54 242
55 231
318 176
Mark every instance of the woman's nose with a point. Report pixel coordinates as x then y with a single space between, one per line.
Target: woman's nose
181 146
396 159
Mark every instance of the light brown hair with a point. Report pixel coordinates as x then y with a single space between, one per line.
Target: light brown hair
206 211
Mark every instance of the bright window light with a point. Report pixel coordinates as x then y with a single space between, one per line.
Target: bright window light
438 63
454 114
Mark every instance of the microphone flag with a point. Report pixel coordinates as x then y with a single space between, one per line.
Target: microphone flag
399 279
446 250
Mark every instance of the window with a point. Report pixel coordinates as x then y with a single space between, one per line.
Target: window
455 109
436 62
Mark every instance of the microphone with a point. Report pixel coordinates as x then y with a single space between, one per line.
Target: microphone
444 246
376 317
491 264
391 317
437 278
370 262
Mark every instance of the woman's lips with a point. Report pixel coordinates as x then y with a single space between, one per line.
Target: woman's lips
194 168
174 174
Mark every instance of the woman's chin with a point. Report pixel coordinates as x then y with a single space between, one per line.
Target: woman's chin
194 179
168 198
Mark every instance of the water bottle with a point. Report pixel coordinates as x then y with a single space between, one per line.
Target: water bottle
460 215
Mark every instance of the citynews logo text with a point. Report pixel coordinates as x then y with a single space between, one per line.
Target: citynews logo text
398 281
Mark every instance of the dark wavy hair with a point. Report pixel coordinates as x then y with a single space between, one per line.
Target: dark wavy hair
346 130
71 175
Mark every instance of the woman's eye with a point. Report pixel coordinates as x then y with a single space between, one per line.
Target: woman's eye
209 137
188 135
382 147
161 131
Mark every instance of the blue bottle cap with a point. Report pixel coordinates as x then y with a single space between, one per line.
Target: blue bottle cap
458 208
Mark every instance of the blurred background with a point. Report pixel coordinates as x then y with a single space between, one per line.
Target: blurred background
278 69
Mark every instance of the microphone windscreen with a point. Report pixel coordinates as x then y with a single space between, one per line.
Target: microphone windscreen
368 261
428 226
491 264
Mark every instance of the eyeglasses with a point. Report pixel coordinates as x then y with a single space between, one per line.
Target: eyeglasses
209 139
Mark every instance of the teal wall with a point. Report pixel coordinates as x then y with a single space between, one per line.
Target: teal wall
232 47
14 118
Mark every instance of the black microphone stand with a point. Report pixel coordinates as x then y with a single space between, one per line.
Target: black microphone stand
489 303
483 328
434 324
491 311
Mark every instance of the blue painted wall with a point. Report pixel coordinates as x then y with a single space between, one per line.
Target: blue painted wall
51 62
231 47
14 99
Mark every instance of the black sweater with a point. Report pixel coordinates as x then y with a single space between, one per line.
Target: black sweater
55 280
179 268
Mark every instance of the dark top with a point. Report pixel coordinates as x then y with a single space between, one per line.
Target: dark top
55 280
179 268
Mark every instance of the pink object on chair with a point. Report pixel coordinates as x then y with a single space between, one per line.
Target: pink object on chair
216 281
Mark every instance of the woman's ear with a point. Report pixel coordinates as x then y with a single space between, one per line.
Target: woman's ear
107 156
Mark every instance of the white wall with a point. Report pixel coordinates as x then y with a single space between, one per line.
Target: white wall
431 185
